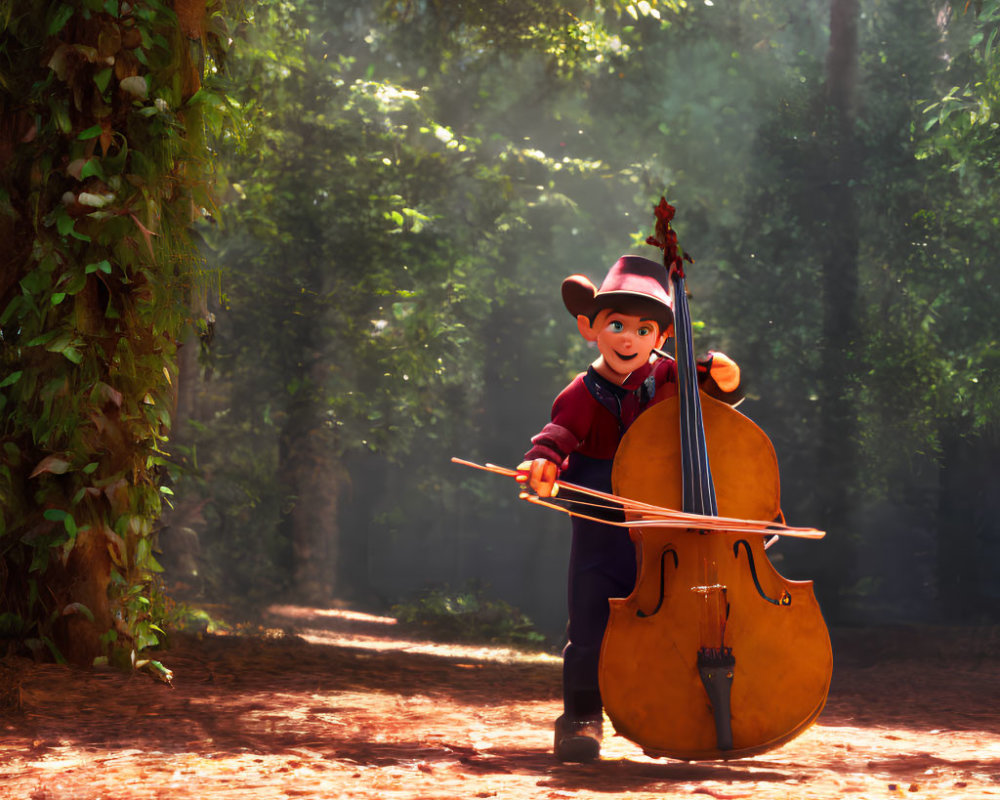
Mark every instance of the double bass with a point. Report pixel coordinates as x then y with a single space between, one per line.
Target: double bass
714 655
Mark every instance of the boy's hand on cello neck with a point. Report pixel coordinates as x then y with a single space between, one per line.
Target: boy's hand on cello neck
724 371
540 474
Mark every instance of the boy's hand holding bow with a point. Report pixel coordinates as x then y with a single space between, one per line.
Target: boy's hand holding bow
540 474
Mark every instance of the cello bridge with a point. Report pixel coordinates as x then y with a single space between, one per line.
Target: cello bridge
716 657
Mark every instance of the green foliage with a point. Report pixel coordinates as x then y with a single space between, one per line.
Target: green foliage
420 176
372 242
958 146
101 175
572 37
467 616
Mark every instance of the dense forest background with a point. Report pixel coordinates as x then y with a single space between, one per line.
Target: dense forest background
388 199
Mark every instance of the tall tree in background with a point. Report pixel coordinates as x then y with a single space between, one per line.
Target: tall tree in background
102 171
840 249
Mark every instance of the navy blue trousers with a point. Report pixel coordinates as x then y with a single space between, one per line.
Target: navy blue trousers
601 565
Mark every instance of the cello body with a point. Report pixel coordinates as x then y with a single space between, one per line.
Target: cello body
714 655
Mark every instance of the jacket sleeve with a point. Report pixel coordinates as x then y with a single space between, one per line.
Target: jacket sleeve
553 442
572 418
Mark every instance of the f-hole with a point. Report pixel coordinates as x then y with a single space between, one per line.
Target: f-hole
663 556
784 600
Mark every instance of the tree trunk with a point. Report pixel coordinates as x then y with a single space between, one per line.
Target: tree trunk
313 478
969 525
90 397
840 246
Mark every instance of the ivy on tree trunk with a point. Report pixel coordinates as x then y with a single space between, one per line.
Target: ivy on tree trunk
102 172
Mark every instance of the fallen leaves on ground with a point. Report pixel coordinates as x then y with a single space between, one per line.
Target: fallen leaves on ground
334 704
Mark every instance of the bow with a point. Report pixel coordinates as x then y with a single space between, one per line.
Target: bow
636 514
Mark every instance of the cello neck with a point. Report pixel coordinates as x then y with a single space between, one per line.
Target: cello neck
698 488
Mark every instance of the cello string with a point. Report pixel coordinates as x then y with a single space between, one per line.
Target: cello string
628 503
682 348
699 489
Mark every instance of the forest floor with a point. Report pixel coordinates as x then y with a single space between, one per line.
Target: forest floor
332 704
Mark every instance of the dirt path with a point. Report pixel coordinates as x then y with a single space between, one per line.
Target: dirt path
348 709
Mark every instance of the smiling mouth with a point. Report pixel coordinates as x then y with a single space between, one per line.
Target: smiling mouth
625 358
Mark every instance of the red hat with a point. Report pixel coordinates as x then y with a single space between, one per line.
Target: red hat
631 278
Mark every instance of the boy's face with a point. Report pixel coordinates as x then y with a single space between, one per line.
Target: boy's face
625 340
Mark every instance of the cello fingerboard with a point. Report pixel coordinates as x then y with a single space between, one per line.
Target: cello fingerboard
698 487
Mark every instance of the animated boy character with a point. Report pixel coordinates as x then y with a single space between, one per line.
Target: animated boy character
628 318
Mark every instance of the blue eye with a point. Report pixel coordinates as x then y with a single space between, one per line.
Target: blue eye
617 326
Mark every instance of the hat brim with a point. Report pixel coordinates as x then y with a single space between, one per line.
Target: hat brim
580 296
578 293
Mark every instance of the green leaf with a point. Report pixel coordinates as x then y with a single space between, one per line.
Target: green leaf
35 282
64 223
73 355
60 343
142 553
58 297
159 671
102 79
11 379
92 169
103 266
42 338
59 19
12 307
91 133
60 113
76 283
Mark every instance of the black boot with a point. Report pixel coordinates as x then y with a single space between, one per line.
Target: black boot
578 740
